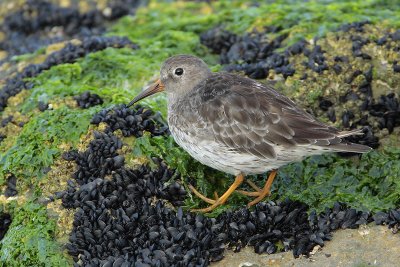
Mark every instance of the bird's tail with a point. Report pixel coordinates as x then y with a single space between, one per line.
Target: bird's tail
350 133
350 147
345 146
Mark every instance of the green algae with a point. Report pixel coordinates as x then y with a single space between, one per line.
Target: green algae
30 56
36 147
370 183
315 18
109 73
30 238
297 19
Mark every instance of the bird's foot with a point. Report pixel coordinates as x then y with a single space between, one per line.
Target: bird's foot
218 200
259 193
203 197
256 193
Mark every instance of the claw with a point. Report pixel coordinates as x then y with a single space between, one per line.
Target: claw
221 200
260 194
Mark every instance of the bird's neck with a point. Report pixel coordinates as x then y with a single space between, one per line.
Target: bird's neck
173 99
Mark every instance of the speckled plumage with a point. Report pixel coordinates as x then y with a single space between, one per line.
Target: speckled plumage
238 125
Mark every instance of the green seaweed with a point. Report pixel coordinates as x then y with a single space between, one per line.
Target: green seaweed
30 56
37 145
111 73
167 149
297 19
370 183
30 239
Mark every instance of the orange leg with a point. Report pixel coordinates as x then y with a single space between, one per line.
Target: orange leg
260 194
251 194
200 195
219 201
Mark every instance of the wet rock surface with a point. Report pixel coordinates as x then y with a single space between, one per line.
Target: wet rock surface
368 246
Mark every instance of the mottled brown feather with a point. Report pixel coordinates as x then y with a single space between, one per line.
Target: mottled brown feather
250 117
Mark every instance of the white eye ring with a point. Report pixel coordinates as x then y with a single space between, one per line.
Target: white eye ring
178 71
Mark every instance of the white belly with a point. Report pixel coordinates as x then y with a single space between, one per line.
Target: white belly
222 158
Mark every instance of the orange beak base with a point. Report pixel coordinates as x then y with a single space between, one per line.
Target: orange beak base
154 88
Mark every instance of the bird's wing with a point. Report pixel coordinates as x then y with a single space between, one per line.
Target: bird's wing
248 116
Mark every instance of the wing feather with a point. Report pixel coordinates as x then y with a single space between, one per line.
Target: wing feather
247 116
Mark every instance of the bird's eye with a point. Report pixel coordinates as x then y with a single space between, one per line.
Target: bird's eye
178 71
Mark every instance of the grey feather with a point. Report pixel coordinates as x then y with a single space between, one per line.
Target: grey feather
240 117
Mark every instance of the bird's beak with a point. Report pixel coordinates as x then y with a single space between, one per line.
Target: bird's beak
154 88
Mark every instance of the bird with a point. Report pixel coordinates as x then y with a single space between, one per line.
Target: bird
238 125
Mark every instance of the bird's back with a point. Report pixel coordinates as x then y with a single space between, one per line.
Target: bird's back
241 118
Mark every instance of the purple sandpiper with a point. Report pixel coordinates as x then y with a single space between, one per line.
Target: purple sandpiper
239 126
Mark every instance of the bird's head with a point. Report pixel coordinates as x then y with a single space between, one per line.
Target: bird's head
178 76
